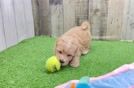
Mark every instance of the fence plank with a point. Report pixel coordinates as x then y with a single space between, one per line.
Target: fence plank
125 19
28 18
41 14
81 11
2 36
115 15
20 19
90 11
99 18
69 14
44 18
36 16
56 8
9 22
129 33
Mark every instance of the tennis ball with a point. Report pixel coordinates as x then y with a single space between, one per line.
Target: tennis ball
52 64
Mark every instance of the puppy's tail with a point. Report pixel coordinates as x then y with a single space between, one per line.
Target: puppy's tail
85 25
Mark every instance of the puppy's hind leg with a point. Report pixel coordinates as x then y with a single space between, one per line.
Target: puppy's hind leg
85 51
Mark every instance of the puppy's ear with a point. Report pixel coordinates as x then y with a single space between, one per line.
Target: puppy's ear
76 60
58 43
55 45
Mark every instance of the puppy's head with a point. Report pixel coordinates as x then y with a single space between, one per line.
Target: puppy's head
65 51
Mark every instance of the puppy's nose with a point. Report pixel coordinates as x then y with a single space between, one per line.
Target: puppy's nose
61 61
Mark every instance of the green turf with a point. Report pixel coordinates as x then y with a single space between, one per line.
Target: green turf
22 66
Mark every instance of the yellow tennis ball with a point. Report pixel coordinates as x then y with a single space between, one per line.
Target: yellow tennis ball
52 64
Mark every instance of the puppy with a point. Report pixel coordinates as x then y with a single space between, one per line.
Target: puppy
72 44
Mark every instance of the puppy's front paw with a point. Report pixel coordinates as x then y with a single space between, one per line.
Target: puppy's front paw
74 64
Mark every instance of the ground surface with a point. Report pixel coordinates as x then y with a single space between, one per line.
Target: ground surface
22 66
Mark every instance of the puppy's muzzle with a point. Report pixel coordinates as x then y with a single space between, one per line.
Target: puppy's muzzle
61 61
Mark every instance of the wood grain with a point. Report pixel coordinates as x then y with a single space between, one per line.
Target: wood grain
99 18
57 26
115 21
44 19
9 22
69 14
20 19
16 22
2 34
29 23
129 33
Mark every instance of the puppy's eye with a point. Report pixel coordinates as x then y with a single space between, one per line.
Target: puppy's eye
69 55
60 52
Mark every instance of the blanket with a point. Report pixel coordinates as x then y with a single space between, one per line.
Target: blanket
122 77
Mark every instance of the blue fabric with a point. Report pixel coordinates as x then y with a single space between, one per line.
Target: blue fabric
84 79
82 85
122 80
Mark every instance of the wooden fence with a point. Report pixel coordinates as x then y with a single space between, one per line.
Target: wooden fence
16 22
110 19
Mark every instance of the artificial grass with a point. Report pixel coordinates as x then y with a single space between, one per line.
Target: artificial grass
22 66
